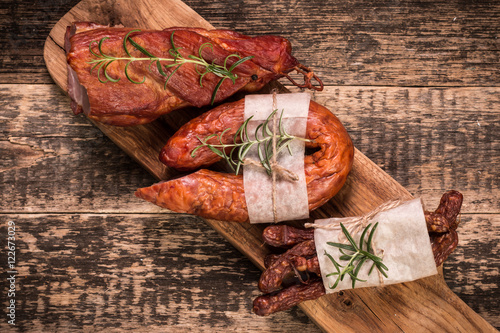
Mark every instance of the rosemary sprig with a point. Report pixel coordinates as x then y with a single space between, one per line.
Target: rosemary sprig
356 257
242 143
176 60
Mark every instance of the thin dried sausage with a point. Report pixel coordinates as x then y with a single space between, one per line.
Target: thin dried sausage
300 257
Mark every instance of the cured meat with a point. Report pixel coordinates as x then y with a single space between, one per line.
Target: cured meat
302 257
164 88
221 196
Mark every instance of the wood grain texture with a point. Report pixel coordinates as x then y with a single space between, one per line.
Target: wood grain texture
113 174
416 43
133 272
71 167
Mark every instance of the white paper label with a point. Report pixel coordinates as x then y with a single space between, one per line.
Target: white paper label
291 196
401 238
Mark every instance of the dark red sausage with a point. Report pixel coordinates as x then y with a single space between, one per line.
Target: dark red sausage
278 267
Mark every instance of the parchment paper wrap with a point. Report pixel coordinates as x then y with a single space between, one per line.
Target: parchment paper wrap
401 235
291 196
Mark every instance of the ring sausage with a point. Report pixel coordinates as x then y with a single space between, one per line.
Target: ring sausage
218 195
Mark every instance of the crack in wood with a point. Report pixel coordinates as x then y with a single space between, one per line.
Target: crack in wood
53 41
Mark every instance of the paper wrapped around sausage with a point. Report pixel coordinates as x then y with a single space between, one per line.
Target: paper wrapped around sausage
294 276
221 196
401 239
287 199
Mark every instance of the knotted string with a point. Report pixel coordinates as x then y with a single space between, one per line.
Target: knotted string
355 224
281 172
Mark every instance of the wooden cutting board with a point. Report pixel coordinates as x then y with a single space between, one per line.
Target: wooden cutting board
423 305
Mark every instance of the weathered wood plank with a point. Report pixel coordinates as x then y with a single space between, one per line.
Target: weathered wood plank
471 262
422 43
53 161
427 148
38 159
418 43
139 270
149 272
356 42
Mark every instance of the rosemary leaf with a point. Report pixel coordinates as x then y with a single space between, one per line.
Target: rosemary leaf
357 258
237 63
342 246
140 48
382 271
125 42
106 74
362 238
356 271
128 76
102 62
215 90
216 151
160 68
369 249
349 237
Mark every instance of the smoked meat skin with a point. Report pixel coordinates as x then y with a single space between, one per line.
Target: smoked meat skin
125 103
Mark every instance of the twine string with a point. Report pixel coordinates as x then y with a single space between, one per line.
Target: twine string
277 171
355 224
274 159
281 172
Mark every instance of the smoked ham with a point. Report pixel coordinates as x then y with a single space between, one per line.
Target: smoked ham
121 102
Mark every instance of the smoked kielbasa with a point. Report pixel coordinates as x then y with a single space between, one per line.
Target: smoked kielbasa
221 196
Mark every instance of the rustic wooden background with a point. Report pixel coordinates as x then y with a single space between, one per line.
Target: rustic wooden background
417 84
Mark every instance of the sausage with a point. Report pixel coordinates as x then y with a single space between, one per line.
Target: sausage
284 235
278 267
272 278
221 196
442 225
287 298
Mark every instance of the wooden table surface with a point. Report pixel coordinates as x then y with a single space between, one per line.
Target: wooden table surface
416 83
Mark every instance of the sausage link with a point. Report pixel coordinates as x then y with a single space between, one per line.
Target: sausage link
287 298
449 207
300 264
285 235
441 225
443 245
272 278
436 222
270 259
326 169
